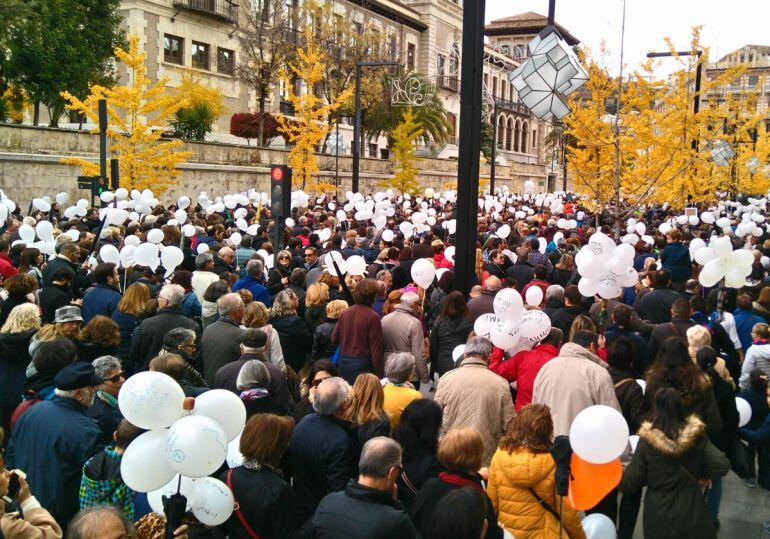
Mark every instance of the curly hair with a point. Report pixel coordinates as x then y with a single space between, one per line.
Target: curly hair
20 284
283 304
531 429
22 318
101 329
255 315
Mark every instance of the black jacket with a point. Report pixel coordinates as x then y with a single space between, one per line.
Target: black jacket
360 512
323 348
402 274
147 339
676 327
274 284
725 397
446 334
295 339
106 416
414 475
266 501
89 351
630 397
227 375
372 429
7 306
220 345
58 262
321 457
14 359
655 307
51 298
563 318
523 273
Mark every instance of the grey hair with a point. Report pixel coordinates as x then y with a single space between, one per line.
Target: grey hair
382 273
105 364
84 524
378 456
252 375
255 267
283 303
228 303
202 259
331 395
478 347
179 336
555 291
399 366
409 299
173 293
66 393
493 283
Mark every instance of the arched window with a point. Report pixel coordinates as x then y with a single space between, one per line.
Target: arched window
452 121
500 131
524 137
534 139
508 129
516 136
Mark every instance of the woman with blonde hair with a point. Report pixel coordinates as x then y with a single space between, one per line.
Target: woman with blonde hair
366 410
323 348
699 337
256 316
316 299
100 337
278 276
295 339
128 316
333 283
15 335
522 479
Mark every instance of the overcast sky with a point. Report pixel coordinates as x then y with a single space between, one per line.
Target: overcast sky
727 24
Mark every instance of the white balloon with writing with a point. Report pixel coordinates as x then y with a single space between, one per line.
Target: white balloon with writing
142 466
225 408
508 304
213 501
196 446
423 272
187 489
151 400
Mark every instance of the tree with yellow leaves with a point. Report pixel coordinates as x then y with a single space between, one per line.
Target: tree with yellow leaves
404 138
138 115
309 124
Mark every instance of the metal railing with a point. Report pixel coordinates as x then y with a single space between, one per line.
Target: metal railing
450 83
226 10
510 106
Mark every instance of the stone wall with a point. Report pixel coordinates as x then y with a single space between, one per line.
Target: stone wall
30 166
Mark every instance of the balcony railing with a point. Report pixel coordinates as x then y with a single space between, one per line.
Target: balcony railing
286 108
449 83
225 10
510 106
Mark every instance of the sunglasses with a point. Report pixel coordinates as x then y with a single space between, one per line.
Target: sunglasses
283 258
115 379
309 254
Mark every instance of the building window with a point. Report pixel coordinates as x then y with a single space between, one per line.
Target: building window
410 54
225 61
393 48
440 64
173 49
753 80
200 55
494 87
373 151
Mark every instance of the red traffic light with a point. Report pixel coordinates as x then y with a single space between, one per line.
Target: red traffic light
277 173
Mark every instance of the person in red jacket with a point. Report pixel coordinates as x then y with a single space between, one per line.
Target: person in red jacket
6 266
523 367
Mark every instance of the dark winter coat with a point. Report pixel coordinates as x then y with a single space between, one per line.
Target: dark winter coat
7 306
414 475
101 299
674 506
14 359
51 298
315 315
257 289
676 327
106 416
630 397
523 273
445 335
220 344
295 339
321 457
701 402
725 398
563 318
58 262
51 442
655 307
147 339
266 501
323 348
483 304
402 274
676 259
89 351
274 284
360 512
127 323
372 429
642 358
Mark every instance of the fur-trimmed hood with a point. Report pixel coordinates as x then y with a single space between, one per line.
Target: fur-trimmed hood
693 430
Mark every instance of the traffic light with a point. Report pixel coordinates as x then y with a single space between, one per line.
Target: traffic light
99 185
280 191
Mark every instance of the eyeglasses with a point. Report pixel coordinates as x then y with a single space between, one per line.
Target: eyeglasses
309 255
399 468
115 379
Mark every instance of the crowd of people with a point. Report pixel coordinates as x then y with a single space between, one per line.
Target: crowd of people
374 409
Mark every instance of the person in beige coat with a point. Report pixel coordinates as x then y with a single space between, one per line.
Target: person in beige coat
402 332
573 381
473 396
37 523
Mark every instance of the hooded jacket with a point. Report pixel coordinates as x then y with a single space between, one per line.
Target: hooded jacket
757 357
571 382
446 334
512 478
674 506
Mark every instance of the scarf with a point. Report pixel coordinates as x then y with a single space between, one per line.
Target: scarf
706 321
254 394
106 397
459 481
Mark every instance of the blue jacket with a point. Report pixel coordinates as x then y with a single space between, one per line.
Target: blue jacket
127 323
101 299
744 323
51 442
191 306
676 259
258 291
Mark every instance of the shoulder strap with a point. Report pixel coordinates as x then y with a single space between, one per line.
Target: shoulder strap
623 382
545 505
237 509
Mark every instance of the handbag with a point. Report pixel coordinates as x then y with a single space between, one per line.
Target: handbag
237 509
741 459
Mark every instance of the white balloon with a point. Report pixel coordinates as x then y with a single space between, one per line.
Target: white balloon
629 278
27 234
508 304
598 526
180 216
640 229
704 255
504 231
693 220
590 265
146 254
601 245
722 246
73 233
505 334
744 411
599 434
633 441
213 501
457 352
183 203
535 326
356 265
664 228
643 384
335 256
171 257
142 466
707 217
188 230
62 198
423 272
609 287
484 323
236 238
712 273
196 445
449 253
121 193
186 488
155 235
534 295
202 248
127 256
234 456
151 400
387 236
225 408
109 253
107 197
132 240
44 230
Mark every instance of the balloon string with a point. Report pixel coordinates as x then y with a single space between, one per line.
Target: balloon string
179 485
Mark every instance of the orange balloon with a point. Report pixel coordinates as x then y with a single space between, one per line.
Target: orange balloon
590 483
